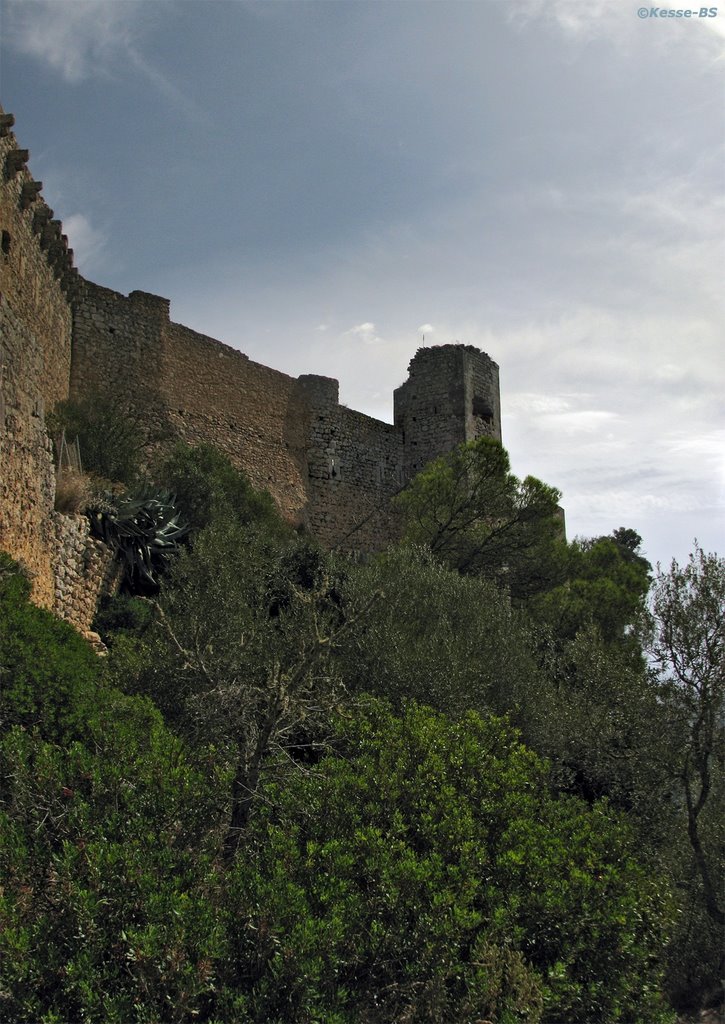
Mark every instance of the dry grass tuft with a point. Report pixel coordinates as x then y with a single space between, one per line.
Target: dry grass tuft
73 491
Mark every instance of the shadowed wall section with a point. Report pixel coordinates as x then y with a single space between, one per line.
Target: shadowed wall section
354 467
255 415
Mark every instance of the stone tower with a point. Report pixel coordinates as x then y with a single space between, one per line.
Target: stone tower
451 396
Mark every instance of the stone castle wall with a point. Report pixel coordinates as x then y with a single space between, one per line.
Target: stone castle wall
84 570
255 415
189 386
329 469
354 467
27 475
36 278
451 395
66 567
35 333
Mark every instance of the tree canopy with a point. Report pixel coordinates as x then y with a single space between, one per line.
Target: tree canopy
474 515
688 647
605 584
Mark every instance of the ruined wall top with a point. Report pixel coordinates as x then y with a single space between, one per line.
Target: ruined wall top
451 396
435 353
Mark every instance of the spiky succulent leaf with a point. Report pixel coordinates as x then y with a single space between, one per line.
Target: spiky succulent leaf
145 528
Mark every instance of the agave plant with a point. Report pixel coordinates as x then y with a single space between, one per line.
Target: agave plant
145 529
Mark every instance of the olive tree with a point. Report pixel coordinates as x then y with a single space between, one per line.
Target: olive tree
240 654
688 649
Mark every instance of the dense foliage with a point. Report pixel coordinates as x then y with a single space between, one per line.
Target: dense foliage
112 439
453 642
210 490
48 675
429 875
443 786
474 515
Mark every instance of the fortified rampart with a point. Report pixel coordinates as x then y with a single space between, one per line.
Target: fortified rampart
37 281
330 469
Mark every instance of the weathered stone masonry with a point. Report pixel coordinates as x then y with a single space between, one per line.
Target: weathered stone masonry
37 281
330 469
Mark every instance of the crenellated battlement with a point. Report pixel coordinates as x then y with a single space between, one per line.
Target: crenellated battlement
21 188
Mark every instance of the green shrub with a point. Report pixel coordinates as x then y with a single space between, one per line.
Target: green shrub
108 908
423 873
110 435
49 676
208 488
122 615
428 876
108 911
452 642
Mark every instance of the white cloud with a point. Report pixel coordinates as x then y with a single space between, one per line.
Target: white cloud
86 39
86 241
530 402
578 20
621 410
558 414
365 332
78 39
676 205
707 452
628 505
669 371
581 421
426 329
619 21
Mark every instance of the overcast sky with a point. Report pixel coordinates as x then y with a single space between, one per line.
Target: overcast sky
320 184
